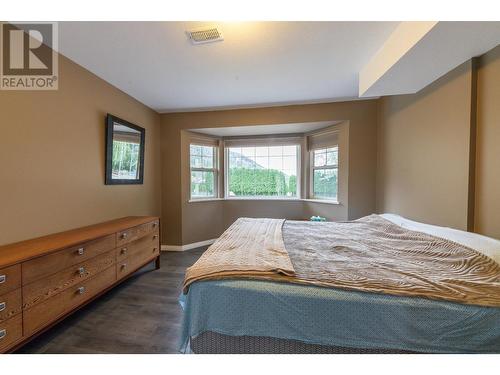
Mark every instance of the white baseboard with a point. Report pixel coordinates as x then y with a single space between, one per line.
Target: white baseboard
188 246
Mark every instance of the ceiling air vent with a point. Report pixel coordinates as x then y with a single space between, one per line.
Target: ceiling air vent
205 35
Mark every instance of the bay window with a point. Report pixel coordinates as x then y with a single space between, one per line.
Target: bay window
269 167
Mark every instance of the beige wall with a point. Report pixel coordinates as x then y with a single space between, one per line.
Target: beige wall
488 145
423 151
52 157
185 223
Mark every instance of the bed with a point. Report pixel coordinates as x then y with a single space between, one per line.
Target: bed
236 312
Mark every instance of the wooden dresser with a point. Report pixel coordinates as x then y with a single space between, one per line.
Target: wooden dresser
45 279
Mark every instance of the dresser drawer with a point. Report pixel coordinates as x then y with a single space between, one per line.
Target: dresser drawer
10 304
50 264
132 234
132 263
11 330
150 241
45 288
10 278
53 308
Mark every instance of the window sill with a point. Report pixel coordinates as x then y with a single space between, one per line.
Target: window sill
322 201
262 199
205 200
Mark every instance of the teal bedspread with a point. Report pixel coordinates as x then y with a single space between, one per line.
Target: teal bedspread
336 317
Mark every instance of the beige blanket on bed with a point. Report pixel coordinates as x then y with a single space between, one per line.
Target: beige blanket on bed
370 255
249 247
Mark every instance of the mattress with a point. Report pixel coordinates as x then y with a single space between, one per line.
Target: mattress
243 311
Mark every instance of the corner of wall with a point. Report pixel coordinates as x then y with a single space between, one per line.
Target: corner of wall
378 178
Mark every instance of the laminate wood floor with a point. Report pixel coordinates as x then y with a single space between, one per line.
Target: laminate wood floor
141 315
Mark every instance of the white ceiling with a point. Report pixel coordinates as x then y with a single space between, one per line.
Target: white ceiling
290 128
257 64
271 63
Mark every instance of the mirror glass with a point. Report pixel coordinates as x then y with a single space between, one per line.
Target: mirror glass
125 152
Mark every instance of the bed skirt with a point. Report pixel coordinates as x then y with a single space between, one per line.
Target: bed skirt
215 343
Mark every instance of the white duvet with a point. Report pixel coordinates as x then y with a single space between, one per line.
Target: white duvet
485 245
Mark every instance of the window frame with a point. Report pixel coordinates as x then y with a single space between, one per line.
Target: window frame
312 168
260 143
214 169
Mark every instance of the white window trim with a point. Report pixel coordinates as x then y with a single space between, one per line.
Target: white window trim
262 142
312 168
215 170
226 170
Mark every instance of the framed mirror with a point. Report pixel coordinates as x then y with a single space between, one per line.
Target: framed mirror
124 152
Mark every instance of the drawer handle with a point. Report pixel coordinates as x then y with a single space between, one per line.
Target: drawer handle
81 270
124 235
154 249
81 290
3 306
2 279
81 251
3 333
155 237
124 265
124 250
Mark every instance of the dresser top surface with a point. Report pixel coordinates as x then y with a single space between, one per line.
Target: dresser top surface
25 250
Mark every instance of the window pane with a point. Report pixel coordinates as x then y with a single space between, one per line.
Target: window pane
207 152
235 157
202 184
289 150
319 157
289 162
262 151
208 161
262 161
248 151
276 162
201 156
263 171
195 161
325 183
275 150
332 157
195 150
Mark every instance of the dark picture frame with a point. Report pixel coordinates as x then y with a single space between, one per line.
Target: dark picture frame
109 180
